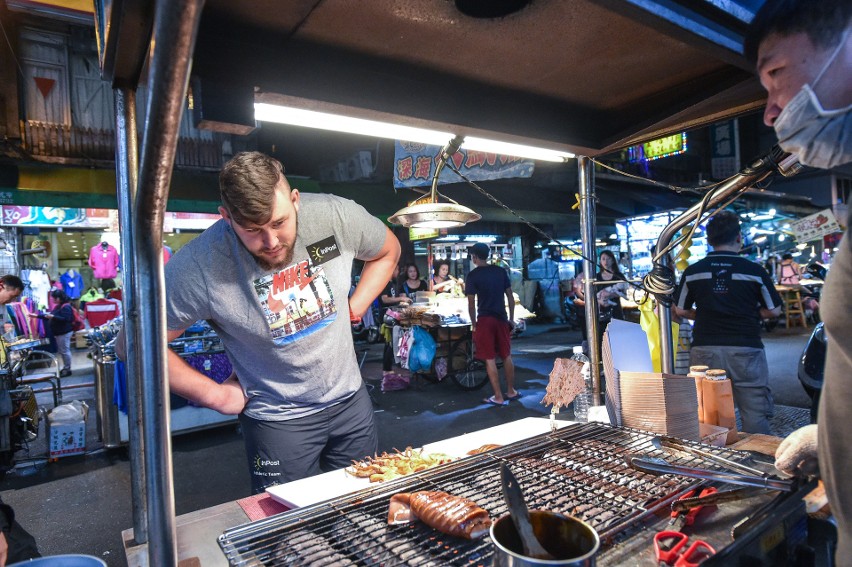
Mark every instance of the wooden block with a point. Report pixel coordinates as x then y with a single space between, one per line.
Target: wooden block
719 406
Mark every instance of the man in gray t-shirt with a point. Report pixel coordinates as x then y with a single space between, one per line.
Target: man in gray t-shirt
272 278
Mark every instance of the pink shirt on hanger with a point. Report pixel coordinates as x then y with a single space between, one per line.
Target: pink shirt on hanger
104 262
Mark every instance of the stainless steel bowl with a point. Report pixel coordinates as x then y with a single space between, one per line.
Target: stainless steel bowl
569 540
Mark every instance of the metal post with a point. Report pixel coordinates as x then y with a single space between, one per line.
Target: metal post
127 168
429 263
173 42
757 171
587 232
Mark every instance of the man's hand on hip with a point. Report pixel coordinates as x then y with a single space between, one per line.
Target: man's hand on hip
230 399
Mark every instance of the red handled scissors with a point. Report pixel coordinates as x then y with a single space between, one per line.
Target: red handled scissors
669 549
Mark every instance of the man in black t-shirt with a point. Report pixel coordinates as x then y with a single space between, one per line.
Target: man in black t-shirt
727 296
486 288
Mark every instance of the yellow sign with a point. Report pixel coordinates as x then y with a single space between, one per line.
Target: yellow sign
422 233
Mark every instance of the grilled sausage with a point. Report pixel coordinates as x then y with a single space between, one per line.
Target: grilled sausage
447 513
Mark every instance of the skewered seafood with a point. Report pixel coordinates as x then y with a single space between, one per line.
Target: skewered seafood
390 466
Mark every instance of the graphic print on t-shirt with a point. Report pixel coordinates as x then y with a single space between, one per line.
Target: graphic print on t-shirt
722 281
296 301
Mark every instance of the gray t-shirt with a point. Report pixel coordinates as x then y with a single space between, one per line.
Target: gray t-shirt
287 333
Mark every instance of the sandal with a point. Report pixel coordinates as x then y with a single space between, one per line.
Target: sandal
494 402
517 396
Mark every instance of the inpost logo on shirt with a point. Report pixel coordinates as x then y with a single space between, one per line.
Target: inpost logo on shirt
324 250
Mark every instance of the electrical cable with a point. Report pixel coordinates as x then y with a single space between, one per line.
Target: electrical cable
660 281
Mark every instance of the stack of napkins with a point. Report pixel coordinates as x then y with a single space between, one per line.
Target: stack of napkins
660 403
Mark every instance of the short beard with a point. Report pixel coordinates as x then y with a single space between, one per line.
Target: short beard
288 259
278 265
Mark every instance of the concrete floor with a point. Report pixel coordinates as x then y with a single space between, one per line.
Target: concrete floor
81 504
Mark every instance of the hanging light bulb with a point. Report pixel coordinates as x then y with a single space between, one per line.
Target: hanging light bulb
427 212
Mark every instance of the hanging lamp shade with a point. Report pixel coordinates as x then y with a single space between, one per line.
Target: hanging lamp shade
427 212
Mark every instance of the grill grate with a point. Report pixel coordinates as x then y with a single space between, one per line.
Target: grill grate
579 470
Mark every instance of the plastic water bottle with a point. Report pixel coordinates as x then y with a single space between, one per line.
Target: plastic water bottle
584 398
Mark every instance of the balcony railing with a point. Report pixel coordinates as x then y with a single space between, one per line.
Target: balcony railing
68 144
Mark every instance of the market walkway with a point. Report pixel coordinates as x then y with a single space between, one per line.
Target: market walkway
81 504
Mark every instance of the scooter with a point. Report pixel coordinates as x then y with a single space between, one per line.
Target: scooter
812 367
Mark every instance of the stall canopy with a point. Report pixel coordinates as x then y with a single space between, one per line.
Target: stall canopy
584 76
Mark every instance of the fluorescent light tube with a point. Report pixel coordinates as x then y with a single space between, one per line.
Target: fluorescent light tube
518 150
340 123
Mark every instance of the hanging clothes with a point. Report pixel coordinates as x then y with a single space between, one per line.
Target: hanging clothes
104 260
72 284
101 311
36 286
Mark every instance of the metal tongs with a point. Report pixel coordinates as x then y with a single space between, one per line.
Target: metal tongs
669 444
657 466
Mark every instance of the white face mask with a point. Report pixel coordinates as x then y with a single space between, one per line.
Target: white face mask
817 137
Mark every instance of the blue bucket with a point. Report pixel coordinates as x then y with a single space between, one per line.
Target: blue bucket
62 561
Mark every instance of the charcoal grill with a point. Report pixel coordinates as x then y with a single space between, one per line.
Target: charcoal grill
578 470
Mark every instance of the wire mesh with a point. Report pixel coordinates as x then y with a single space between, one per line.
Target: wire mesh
580 470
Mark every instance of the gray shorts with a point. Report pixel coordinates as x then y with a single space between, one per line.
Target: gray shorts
283 451
749 373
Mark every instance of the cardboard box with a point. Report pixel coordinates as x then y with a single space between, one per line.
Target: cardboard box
80 338
67 439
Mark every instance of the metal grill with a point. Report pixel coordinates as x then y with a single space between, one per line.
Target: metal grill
579 470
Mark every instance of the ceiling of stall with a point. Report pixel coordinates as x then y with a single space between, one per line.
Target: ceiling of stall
588 76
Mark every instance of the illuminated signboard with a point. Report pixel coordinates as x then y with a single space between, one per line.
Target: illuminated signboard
656 149
421 233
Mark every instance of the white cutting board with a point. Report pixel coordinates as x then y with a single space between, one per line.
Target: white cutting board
332 484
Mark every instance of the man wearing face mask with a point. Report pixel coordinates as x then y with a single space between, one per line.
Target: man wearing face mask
803 50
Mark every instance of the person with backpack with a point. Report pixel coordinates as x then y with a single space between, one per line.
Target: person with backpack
61 320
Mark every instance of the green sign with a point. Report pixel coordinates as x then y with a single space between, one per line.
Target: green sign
660 148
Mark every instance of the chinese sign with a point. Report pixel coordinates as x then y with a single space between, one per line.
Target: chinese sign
725 146
656 149
815 226
415 164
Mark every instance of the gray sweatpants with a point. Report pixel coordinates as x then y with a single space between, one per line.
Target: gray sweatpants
283 451
749 373
63 348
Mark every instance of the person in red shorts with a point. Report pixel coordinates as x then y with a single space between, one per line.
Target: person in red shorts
486 288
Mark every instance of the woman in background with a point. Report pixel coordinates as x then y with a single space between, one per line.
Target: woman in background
412 284
609 296
62 326
443 282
